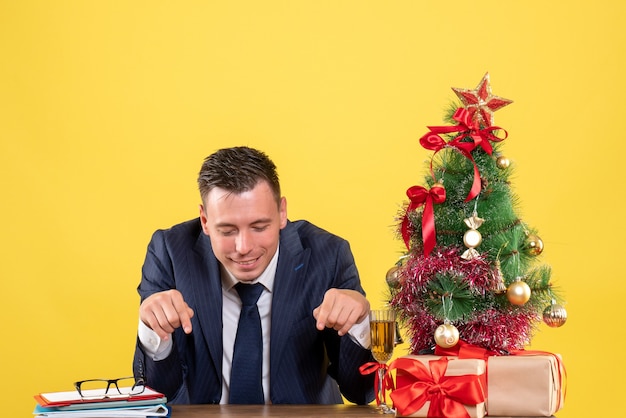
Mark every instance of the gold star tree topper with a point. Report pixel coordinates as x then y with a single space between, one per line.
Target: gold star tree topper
480 103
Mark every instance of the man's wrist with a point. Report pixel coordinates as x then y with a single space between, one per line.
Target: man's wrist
152 344
360 333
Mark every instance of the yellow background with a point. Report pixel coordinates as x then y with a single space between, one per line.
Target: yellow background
107 109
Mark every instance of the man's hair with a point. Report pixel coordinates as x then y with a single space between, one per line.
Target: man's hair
237 169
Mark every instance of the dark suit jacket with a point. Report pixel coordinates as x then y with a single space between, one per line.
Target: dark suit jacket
310 262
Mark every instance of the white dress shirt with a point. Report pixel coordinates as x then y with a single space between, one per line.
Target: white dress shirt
159 349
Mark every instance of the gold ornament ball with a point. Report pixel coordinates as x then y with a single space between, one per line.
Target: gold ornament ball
393 277
472 238
555 315
502 162
518 293
533 245
446 336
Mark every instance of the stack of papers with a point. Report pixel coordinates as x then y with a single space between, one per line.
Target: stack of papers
148 404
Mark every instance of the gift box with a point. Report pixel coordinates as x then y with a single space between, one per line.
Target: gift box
438 386
525 384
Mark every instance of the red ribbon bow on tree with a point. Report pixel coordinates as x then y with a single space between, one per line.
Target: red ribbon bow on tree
419 196
447 394
467 129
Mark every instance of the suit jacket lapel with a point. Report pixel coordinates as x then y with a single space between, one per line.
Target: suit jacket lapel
292 266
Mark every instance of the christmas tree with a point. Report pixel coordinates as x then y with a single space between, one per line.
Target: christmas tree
472 268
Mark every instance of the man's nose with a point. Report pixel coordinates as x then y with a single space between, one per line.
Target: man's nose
243 243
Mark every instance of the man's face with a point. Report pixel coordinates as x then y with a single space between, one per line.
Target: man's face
244 228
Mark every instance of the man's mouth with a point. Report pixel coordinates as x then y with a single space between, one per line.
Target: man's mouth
246 262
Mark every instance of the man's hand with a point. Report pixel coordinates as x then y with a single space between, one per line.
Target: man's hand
165 311
341 309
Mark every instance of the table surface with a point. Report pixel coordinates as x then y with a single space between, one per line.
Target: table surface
306 411
237 411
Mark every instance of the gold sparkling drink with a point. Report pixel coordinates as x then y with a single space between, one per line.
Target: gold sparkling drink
383 333
383 339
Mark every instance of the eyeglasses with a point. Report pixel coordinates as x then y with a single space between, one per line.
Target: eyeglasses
125 387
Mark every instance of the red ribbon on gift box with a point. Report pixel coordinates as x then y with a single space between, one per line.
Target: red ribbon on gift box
447 394
465 350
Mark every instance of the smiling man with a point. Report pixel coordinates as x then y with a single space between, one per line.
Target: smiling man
310 317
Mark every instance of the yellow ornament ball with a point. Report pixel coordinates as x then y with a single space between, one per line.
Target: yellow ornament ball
502 162
554 315
518 292
533 245
446 335
393 277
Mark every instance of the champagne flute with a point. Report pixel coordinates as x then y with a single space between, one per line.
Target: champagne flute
383 329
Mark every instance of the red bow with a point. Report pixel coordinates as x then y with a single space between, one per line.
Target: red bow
374 367
419 196
447 394
480 137
465 350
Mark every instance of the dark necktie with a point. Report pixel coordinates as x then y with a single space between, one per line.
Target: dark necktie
245 376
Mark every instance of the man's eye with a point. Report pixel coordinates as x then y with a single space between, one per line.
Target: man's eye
260 228
227 232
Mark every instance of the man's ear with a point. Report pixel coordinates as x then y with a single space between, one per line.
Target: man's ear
203 220
283 212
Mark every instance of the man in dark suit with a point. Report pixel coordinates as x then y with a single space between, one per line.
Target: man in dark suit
313 311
